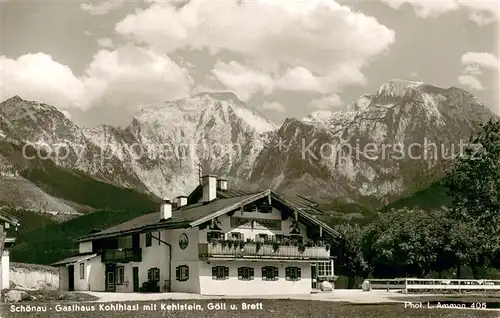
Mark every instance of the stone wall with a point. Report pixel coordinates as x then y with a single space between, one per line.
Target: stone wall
33 277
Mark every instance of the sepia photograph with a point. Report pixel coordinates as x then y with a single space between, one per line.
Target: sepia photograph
249 158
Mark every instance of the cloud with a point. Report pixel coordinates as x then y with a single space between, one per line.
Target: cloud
300 45
480 12
413 74
273 106
39 77
132 74
326 103
245 81
126 76
470 81
481 59
301 79
474 63
242 80
103 7
105 43
472 69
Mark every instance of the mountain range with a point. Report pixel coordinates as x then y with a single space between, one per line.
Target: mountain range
349 156
388 149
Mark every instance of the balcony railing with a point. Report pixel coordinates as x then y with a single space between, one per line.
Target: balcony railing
123 255
250 251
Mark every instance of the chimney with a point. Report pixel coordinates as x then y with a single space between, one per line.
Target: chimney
209 184
165 210
182 200
221 184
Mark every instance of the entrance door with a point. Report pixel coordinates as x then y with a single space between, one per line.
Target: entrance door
314 277
110 278
135 278
71 278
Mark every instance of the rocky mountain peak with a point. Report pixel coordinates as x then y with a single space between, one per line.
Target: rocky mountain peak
397 87
301 156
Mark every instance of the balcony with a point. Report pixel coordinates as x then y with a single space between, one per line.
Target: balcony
265 251
123 255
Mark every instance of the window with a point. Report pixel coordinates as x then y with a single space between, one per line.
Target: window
270 273
136 241
262 237
120 275
148 239
250 208
265 208
154 275
182 273
245 273
279 238
82 270
292 273
237 236
325 269
220 272
215 236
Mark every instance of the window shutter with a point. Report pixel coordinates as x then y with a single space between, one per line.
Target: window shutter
149 275
187 272
226 272
159 238
240 273
276 273
251 273
177 272
214 272
298 273
287 273
264 272
242 237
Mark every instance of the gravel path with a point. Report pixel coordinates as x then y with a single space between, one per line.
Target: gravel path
339 295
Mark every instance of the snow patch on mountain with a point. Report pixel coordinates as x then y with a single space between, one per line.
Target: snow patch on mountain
397 87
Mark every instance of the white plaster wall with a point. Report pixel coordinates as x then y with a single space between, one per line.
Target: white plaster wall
188 257
5 269
253 233
34 278
153 256
63 278
94 275
85 247
257 286
128 283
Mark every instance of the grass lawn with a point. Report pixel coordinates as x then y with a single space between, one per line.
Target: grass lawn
270 308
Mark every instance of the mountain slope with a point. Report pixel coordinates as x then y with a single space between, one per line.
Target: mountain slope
42 185
379 149
363 155
164 143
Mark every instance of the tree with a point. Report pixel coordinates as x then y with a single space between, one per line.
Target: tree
473 182
349 252
405 243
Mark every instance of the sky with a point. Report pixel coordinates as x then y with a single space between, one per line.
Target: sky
102 61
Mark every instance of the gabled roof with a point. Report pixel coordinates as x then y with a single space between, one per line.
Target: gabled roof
181 217
9 219
75 259
195 214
